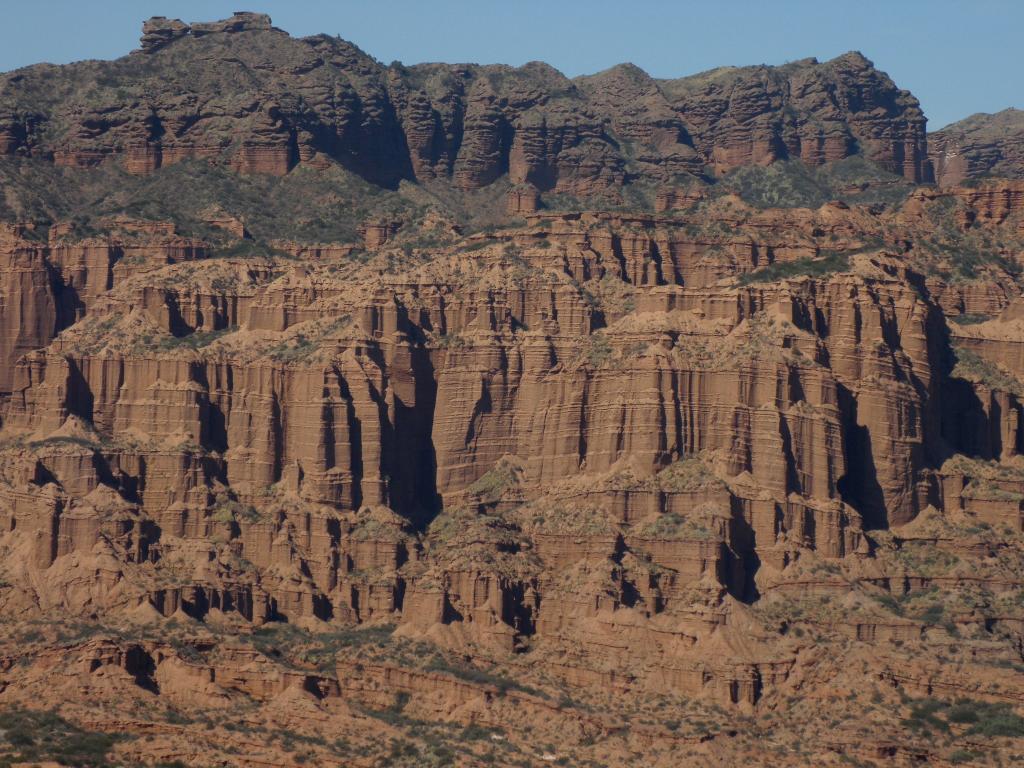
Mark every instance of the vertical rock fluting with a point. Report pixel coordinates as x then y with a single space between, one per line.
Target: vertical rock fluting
366 429
28 304
817 399
668 454
48 285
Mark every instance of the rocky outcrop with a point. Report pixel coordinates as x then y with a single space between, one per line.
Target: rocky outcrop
992 202
159 31
522 199
328 102
814 111
381 419
50 283
980 145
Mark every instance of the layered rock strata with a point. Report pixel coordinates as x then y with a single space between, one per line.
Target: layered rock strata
684 478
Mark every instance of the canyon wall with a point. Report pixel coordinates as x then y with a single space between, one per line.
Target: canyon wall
673 421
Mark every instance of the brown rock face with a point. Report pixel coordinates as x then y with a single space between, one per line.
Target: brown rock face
159 31
677 199
48 285
522 199
981 145
452 415
816 112
376 233
992 202
327 101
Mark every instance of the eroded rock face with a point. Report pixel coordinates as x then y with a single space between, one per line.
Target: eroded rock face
159 31
49 283
814 405
504 453
608 346
981 145
809 110
320 99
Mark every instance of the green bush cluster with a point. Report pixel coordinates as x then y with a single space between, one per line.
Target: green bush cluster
978 718
973 367
493 483
195 340
34 736
277 640
782 270
793 184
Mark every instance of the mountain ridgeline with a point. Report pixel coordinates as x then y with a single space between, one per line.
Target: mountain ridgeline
249 95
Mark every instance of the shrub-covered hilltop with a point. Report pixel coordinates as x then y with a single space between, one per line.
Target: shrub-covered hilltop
435 415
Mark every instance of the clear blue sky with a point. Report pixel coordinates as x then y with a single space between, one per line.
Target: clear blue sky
957 56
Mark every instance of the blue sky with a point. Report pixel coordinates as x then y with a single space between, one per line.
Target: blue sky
957 56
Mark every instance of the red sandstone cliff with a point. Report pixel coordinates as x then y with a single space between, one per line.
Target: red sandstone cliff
980 145
689 477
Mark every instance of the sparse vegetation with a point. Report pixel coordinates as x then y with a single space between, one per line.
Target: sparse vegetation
974 718
490 487
783 270
973 367
971 319
503 683
791 184
688 474
598 351
33 736
676 528
194 340
317 650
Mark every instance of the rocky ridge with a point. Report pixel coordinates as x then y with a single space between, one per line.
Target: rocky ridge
274 102
981 145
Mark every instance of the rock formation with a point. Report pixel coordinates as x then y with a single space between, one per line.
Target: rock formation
473 415
280 102
981 145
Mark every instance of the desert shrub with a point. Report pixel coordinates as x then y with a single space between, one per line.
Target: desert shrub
780 185
686 475
997 720
492 484
794 184
476 732
677 528
450 341
933 614
963 712
782 270
973 367
598 350
34 736
64 440
297 348
195 340
989 719
971 319
280 640
961 756
924 716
